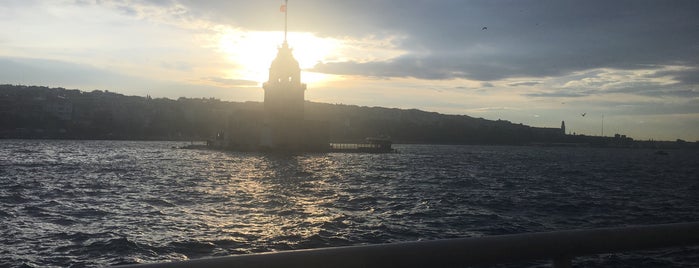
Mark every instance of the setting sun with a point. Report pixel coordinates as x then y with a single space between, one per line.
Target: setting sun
252 52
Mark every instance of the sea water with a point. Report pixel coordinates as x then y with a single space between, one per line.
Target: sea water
97 203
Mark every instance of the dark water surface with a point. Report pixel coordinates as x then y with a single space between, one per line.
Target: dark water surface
96 203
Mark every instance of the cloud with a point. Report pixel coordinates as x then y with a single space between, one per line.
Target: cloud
527 83
650 108
232 82
657 92
27 71
429 67
654 81
684 76
30 71
558 94
444 39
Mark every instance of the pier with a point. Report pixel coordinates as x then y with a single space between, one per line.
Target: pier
370 145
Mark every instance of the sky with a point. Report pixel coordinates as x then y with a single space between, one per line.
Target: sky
631 67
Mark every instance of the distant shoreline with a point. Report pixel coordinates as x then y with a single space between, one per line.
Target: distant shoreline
658 145
34 112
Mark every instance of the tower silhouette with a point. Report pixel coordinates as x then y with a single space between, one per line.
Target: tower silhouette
284 126
284 92
281 125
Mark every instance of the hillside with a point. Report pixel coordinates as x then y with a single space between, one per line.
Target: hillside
42 112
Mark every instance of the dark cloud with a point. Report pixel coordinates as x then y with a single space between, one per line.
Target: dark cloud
524 38
444 39
690 76
529 83
448 66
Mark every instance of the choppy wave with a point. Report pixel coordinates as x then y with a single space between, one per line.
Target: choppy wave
96 203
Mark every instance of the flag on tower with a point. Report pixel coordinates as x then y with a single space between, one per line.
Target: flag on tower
282 8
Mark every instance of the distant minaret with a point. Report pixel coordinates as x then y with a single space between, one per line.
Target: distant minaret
284 92
563 127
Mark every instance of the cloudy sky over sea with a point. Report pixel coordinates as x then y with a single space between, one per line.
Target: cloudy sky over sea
632 67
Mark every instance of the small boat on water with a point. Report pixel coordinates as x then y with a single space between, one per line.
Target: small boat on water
370 145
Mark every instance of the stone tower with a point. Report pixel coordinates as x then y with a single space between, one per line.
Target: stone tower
284 92
284 127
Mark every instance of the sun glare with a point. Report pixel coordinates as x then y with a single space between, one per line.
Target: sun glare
253 52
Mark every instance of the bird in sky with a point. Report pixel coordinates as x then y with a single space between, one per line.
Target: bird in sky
583 114
484 28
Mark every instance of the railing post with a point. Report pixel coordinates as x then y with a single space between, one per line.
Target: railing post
563 262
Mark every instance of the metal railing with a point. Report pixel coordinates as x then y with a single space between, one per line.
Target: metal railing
559 246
